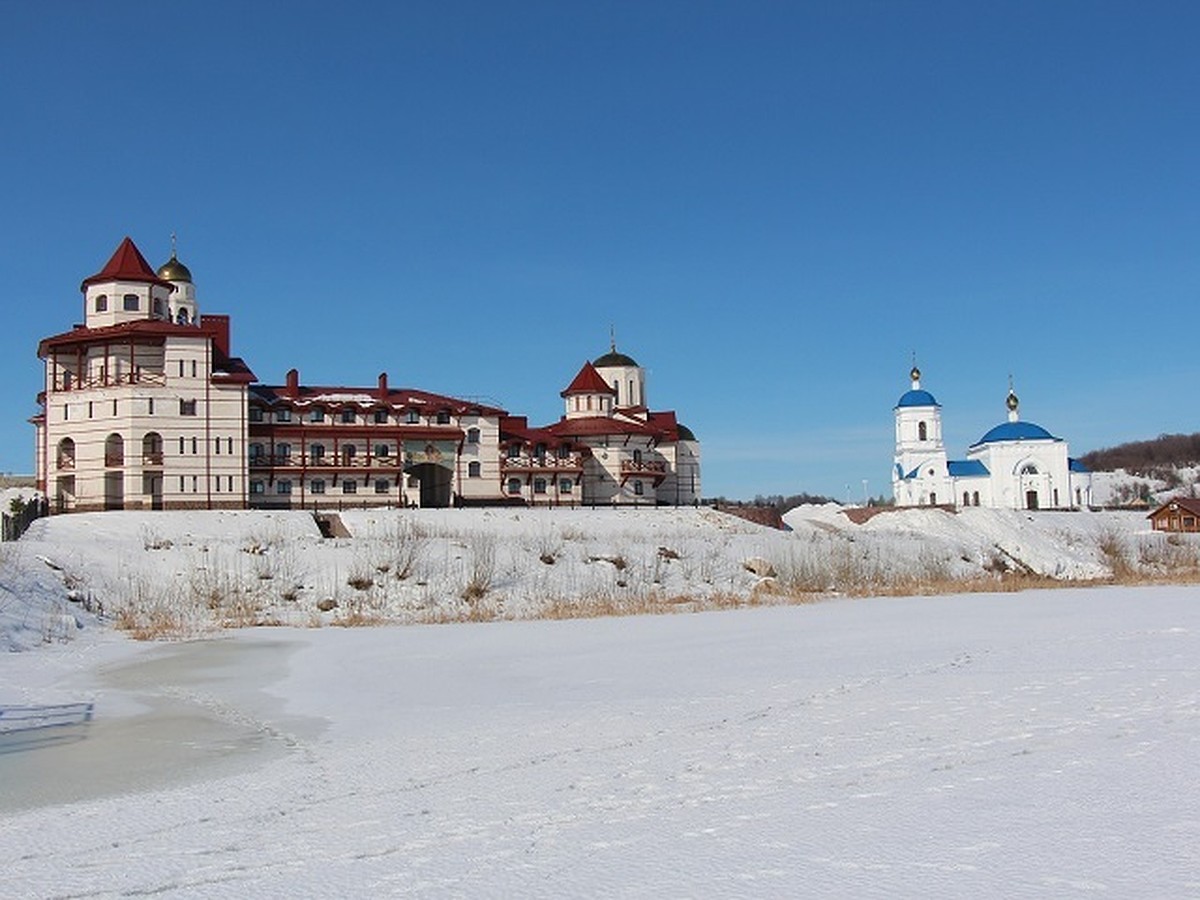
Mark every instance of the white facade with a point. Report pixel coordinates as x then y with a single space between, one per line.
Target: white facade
1016 465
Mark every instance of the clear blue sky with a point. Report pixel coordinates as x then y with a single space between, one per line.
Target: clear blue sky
775 204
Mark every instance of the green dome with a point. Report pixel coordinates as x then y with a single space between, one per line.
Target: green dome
613 358
685 433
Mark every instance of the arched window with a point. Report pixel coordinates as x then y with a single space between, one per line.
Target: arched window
152 449
114 450
966 499
921 432
66 454
181 317
1029 469
975 497
102 303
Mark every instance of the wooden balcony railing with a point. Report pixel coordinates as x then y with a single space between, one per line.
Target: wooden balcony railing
649 466
547 463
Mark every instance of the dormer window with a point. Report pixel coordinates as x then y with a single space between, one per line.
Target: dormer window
256 413
443 418
412 417
130 303
102 303
283 415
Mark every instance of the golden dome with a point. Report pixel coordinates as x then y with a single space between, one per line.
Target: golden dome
174 270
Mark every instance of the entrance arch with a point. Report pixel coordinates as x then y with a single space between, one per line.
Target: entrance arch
434 484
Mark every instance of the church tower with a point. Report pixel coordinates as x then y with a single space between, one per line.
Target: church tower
920 475
182 305
627 378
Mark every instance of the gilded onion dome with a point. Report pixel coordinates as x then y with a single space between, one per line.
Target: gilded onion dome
174 270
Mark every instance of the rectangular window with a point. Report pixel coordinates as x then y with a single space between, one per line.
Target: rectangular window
181 368
514 450
66 413
473 469
181 446
256 414
539 485
229 446
350 487
149 406
283 415
195 447
381 417
348 416
256 487
514 485
131 302
381 450
195 483
283 487
230 477
317 415
217 483
317 452
90 412
412 417
382 486
638 488
217 446
193 368
181 484
565 486
472 435
318 486
443 418
187 407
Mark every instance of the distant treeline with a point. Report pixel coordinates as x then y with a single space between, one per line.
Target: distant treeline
783 504
1155 458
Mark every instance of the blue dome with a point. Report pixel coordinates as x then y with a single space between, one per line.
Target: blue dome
1017 431
916 398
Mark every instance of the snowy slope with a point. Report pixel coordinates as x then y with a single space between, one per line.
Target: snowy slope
174 574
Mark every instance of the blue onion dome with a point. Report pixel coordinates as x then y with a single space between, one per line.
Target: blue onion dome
1017 431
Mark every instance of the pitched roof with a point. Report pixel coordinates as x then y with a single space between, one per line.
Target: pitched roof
127 264
966 468
588 381
368 398
1187 504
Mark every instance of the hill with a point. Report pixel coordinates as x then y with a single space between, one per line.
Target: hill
172 574
1160 458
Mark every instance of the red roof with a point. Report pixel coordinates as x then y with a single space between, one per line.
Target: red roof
230 368
127 264
401 398
588 381
1187 504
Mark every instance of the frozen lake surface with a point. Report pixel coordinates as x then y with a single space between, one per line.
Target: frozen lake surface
1034 744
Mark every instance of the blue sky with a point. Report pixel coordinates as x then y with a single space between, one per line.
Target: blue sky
774 204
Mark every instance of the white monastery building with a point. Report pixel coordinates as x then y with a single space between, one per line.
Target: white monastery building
145 407
1016 465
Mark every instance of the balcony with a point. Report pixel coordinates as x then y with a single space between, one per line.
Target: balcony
65 462
649 467
152 458
114 460
547 463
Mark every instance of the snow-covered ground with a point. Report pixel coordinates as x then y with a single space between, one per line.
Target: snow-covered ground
1042 743
174 574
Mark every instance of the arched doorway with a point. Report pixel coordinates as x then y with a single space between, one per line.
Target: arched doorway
433 484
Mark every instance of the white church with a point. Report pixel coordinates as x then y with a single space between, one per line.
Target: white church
1015 465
